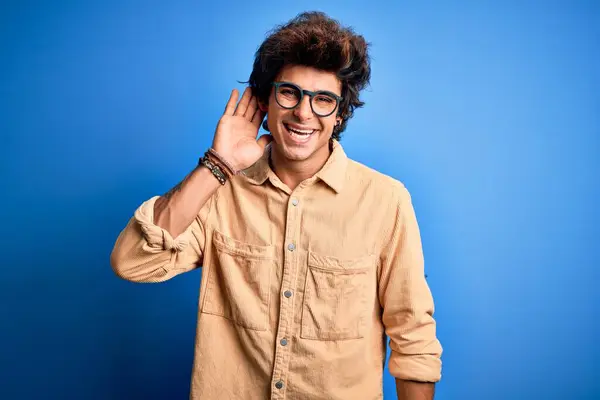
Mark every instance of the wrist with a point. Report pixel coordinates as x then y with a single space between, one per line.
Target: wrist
224 162
205 175
217 170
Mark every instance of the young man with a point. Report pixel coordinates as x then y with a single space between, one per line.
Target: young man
309 259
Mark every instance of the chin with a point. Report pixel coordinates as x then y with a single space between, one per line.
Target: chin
293 153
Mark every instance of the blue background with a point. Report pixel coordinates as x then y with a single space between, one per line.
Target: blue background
488 112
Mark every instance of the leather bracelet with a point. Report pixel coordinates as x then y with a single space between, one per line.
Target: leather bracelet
218 163
222 161
215 169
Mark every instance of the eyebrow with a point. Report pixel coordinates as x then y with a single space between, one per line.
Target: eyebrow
300 86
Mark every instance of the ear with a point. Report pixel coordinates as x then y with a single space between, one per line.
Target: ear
262 106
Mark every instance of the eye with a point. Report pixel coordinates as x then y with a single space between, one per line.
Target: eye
289 92
324 99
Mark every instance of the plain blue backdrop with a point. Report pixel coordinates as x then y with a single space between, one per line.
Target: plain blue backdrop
489 112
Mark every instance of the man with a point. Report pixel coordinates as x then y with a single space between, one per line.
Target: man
308 258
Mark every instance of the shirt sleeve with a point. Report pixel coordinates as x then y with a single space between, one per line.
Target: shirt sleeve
407 301
145 252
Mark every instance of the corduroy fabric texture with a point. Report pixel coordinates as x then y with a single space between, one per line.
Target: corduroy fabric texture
299 288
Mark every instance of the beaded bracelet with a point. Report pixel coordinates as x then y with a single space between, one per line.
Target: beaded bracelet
215 169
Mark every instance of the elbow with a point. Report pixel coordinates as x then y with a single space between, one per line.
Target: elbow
127 266
121 266
134 259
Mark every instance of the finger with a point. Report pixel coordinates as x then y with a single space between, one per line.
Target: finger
258 118
230 107
264 140
243 104
249 114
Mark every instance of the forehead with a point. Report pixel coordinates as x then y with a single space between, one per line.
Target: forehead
310 78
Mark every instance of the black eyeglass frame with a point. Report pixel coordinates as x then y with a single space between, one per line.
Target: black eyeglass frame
311 94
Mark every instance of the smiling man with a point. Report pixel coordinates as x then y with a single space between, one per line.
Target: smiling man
309 259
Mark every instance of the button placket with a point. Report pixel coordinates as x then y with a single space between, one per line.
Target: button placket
286 314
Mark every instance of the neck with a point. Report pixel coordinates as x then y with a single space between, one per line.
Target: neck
292 172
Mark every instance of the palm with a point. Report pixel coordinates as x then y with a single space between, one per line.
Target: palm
235 137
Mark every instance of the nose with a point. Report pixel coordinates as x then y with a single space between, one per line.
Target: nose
303 111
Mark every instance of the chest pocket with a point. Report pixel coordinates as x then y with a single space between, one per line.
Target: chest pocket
335 298
239 282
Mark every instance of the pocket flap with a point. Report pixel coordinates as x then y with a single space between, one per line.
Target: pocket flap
340 265
236 247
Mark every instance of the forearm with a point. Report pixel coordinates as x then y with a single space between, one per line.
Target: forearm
152 248
411 390
177 209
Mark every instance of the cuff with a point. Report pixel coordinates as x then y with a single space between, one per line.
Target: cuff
418 367
156 236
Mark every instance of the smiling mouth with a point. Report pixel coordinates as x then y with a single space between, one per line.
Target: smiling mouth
299 134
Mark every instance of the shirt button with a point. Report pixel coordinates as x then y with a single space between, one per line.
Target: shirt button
283 342
287 294
294 202
279 385
291 247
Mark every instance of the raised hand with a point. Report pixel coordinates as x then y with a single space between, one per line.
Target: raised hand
235 137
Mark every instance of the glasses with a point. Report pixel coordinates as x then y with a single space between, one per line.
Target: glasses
322 102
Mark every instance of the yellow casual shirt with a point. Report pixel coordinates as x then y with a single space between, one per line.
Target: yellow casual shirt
299 287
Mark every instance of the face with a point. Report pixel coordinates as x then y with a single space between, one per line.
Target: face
311 144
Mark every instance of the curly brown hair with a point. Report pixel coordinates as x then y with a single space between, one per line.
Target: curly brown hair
313 39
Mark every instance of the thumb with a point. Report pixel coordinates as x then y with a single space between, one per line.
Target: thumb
264 140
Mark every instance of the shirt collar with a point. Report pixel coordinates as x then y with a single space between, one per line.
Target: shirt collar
333 172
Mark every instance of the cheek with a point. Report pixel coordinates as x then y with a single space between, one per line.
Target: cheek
276 115
272 116
329 123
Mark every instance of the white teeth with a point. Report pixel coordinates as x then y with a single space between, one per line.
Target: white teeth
300 131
